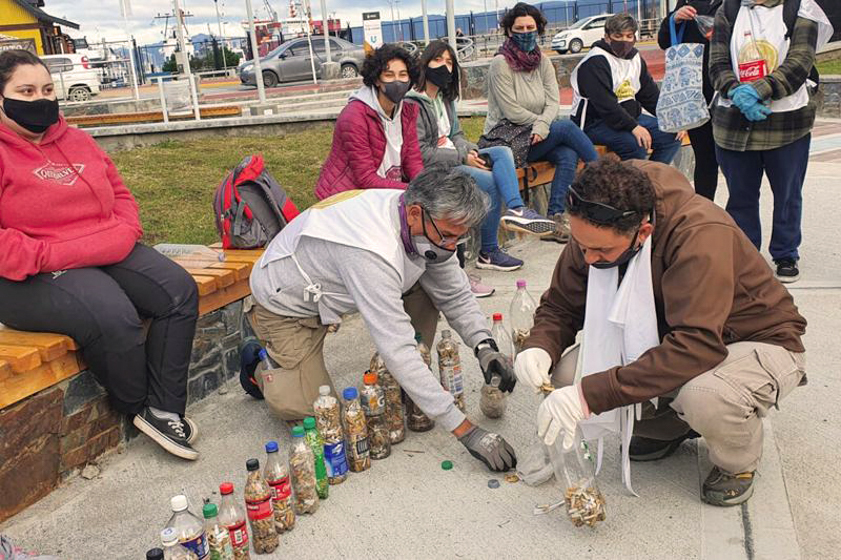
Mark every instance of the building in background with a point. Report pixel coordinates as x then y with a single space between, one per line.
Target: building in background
25 20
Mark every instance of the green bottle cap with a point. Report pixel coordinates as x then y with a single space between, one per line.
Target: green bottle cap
447 465
298 431
210 510
309 423
418 337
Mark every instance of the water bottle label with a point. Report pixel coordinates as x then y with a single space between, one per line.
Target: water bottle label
359 448
239 534
197 546
335 459
259 510
281 489
452 379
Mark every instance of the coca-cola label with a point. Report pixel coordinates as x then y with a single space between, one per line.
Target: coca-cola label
281 489
259 510
239 534
752 70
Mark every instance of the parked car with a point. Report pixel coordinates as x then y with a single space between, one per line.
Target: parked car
74 76
583 33
290 62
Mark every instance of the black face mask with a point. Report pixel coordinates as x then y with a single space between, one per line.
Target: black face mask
626 256
395 91
440 76
622 48
35 116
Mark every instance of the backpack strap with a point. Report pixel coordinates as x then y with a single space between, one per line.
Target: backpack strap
731 9
790 10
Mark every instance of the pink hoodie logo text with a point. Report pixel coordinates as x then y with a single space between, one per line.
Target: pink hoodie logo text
60 173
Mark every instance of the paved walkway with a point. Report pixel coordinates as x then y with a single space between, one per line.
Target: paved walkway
406 506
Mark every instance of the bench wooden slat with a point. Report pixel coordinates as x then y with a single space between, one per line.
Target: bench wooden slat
207 284
18 387
243 255
49 345
242 270
5 369
22 358
224 278
223 297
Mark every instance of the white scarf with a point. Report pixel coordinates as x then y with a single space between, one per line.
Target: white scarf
620 324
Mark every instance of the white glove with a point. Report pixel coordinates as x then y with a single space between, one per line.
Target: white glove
560 412
532 367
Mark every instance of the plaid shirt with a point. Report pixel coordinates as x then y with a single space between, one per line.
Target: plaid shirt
731 129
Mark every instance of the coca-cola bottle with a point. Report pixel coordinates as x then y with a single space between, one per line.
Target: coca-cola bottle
752 65
232 516
521 316
277 477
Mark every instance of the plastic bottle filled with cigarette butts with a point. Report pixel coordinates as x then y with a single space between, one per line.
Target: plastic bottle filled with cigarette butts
575 469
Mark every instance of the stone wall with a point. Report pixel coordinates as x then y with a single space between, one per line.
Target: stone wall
829 97
55 433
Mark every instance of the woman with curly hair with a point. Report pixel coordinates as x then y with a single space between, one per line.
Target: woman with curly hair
375 143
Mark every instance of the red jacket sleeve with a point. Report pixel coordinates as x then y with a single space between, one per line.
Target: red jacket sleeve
410 155
356 142
21 255
125 207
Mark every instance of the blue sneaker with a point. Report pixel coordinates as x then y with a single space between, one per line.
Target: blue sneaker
526 220
498 260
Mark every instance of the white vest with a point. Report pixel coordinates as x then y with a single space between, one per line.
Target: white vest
768 31
365 219
626 79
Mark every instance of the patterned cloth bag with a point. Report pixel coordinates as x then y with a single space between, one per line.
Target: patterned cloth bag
681 105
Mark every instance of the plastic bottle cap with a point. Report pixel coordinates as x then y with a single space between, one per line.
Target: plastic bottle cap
447 465
309 423
369 378
169 536
446 333
252 465
271 447
493 483
521 283
497 317
178 503
226 488
298 431
350 393
324 390
210 510
262 354
155 554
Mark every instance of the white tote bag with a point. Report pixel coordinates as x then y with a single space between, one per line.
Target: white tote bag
681 105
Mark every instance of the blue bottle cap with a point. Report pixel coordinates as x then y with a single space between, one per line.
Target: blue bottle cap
271 447
350 393
262 354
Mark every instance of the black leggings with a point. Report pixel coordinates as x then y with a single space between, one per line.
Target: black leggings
706 165
103 309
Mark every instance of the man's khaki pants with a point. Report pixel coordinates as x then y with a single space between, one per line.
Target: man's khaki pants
725 404
297 347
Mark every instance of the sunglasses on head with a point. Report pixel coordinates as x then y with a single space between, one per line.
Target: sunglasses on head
596 212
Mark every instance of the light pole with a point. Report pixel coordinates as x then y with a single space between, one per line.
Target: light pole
393 32
425 23
325 24
451 26
255 50
221 37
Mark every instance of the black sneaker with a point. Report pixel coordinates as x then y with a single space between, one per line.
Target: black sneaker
169 434
248 361
723 489
787 271
647 449
190 430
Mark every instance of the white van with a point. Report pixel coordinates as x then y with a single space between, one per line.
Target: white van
583 33
74 77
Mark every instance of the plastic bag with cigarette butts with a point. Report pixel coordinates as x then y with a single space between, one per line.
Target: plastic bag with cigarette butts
575 470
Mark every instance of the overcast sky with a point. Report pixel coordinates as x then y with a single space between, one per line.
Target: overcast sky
101 18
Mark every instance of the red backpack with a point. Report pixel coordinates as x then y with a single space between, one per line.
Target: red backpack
250 206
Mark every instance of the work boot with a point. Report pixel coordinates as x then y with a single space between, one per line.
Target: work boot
647 449
561 232
723 489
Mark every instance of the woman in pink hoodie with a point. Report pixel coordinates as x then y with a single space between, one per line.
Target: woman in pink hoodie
70 261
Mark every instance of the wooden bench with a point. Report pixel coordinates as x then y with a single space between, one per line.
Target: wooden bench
31 362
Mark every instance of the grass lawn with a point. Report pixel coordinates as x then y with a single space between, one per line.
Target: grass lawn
829 67
174 182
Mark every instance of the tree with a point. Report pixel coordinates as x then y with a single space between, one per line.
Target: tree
170 65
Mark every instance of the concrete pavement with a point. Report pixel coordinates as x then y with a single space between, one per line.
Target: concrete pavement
407 506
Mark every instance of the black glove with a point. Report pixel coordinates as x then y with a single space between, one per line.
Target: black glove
495 364
489 448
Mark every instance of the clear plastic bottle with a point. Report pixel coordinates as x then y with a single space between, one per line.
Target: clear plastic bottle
218 538
277 477
302 465
258 504
373 404
752 64
449 368
575 469
416 420
322 485
356 432
173 550
328 420
492 401
232 517
188 527
521 316
394 411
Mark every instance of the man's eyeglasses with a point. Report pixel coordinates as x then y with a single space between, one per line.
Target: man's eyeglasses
596 212
445 240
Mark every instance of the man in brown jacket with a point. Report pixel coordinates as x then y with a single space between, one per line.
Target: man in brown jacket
729 333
